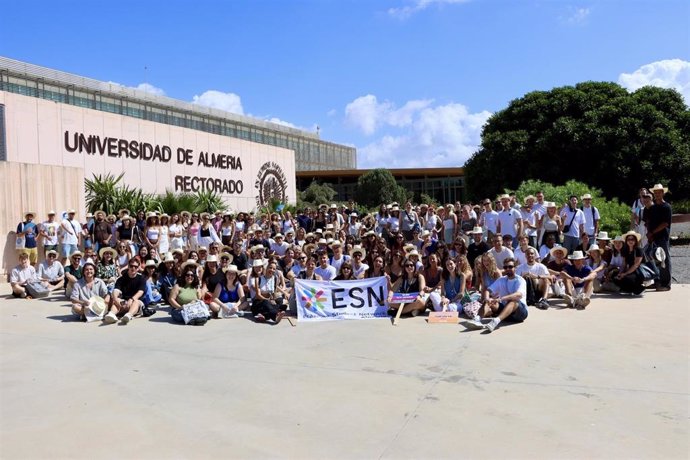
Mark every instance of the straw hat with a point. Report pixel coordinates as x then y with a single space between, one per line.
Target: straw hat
586 196
409 247
212 258
96 307
231 268
99 212
52 251
205 215
336 244
202 248
322 241
505 196
413 253
530 197
107 249
370 233
168 258
278 235
123 211
178 251
659 187
186 214
637 236
619 239
594 247
257 263
88 215
189 263
257 247
71 211
309 248
577 255
604 236
228 255
426 233
556 249
151 214
476 230
51 212
550 204
360 250
150 263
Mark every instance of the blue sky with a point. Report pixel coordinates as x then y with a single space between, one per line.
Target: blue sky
408 82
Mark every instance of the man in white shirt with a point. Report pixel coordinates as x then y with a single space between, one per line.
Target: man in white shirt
338 256
21 275
530 217
51 272
537 276
592 216
71 230
358 254
504 300
509 220
500 252
49 233
573 224
489 221
521 251
324 270
278 246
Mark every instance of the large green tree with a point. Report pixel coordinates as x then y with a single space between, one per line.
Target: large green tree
594 132
379 186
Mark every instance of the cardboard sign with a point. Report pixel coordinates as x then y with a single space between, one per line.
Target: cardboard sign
443 317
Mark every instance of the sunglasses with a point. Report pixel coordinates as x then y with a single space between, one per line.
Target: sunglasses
76 258
409 266
508 267
52 255
189 274
134 266
302 258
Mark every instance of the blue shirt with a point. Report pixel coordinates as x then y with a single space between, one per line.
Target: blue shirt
581 273
29 228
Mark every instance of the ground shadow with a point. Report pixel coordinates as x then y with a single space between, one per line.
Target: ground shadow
64 318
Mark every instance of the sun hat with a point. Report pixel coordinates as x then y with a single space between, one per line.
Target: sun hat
95 309
556 249
530 197
358 250
122 211
107 249
577 255
151 214
604 236
637 236
586 196
476 230
619 239
413 253
205 215
52 251
231 268
659 187
51 212
505 196
212 258
100 211
186 214
202 248
150 263
228 255
549 204
322 241
336 243
257 247
257 263
168 258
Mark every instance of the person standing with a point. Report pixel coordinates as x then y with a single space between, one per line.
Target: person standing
28 231
71 229
592 217
49 233
659 232
573 221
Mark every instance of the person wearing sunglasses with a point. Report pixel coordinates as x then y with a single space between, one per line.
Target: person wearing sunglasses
51 272
187 290
504 300
412 281
125 301
73 272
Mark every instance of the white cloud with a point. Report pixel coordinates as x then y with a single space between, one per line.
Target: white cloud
578 15
417 6
230 102
669 73
149 88
418 134
368 114
332 113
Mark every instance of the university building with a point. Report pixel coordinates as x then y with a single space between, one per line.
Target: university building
56 129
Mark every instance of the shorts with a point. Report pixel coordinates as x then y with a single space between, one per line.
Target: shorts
50 247
519 315
67 250
33 254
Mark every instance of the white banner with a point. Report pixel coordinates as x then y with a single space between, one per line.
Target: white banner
330 300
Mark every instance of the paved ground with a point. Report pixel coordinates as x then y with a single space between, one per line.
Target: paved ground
608 382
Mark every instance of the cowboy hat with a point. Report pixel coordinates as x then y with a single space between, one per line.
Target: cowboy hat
100 211
476 230
550 204
189 263
212 258
336 243
168 258
577 255
586 196
228 255
95 309
322 241
150 263
231 268
257 263
659 187
556 249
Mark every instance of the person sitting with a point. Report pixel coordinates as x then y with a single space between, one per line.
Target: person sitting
452 289
152 295
107 269
229 294
504 300
500 252
345 273
598 265
73 272
51 272
412 281
538 279
520 251
326 271
88 287
629 280
22 275
556 266
487 272
187 290
167 276
126 298
579 281
546 248
265 293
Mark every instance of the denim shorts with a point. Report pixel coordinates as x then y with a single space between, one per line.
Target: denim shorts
520 313
68 249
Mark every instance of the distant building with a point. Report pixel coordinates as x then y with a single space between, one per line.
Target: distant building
446 185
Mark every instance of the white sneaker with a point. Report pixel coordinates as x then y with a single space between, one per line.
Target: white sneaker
126 319
491 325
110 318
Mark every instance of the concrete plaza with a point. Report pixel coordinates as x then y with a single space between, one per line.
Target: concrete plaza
608 382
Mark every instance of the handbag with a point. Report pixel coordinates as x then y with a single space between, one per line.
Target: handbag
37 290
195 313
566 228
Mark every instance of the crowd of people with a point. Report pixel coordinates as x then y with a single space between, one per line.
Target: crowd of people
488 261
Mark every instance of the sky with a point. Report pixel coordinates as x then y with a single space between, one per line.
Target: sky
409 83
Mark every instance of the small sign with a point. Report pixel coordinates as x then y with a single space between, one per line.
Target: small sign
402 297
443 317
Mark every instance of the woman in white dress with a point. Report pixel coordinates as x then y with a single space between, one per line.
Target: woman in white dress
164 239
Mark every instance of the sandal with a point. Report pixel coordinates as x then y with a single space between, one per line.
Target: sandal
279 316
260 318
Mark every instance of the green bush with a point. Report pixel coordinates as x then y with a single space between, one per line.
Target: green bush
681 206
615 216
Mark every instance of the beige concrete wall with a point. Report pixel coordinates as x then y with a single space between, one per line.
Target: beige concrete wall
36 134
39 188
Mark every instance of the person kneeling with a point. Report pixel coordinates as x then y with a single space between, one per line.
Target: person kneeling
504 300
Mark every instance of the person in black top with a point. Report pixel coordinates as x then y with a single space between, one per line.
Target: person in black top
477 247
628 279
211 275
659 232
126 298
